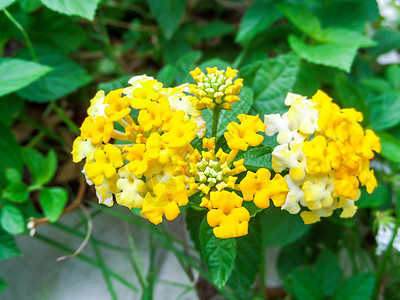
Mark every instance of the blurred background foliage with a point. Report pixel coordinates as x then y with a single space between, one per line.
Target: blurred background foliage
55 54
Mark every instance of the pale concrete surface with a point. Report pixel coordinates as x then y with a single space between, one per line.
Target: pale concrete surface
38 276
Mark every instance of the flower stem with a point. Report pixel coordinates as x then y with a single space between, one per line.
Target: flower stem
216 112
20 28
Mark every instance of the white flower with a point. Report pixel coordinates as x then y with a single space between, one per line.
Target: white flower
137 81
290 156
303 114
285 129
96 108
384 237
294 197
104 193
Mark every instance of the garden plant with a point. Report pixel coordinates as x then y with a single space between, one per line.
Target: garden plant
248 125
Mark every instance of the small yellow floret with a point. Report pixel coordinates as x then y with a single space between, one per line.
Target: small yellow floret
228 218
259 188
240 136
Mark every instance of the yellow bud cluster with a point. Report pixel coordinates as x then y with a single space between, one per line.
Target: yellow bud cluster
217 88
212 173
327 153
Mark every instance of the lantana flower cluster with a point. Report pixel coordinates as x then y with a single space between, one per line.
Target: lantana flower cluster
138 145
327 153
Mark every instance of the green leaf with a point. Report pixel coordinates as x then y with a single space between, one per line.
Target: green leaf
344 36
271 80
302 283
215 62
174 48
3 285
167 75
379 196
56 31
6 3
118 83
257 18
291 257
280 228
385 110
85 9
11 106
30 6
315 283
302 18
390 146
226 116
340 56
34 160
12 219
8 247
388 39
16 74
393 76
168 14
255 158
66 77
218 254
358 287
307 82
9 153
351 14
16 192
328 271
49 168
213 29
248 259
13 175
252 208
53 200
376 85
184 65
349 95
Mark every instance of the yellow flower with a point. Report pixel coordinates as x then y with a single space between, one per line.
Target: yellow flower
118 107
327 153
97 105
315 151
165 199
228 218
215 88
154 115
105 162
240 136
179 132
97 129
130 189
138 161
82 149
259 188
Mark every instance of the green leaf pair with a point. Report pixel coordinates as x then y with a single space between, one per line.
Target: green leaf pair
333 47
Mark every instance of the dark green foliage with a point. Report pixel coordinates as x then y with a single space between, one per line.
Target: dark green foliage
55 54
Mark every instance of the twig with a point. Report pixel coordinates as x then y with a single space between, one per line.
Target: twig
33 223
87 238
